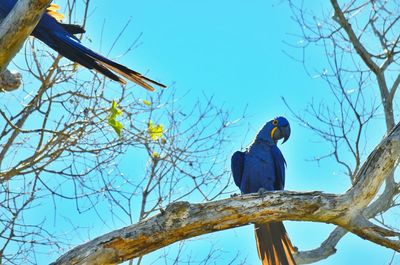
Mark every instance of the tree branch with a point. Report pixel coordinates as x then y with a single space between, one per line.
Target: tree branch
395 85
326 249
360 49
366 57
183 220
15 28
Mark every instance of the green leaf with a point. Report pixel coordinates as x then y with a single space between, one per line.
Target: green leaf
155 131
112 119
114 111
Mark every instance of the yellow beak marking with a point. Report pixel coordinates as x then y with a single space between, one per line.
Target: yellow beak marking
273 132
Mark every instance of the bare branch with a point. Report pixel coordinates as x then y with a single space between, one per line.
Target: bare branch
342 21
326 249
395 85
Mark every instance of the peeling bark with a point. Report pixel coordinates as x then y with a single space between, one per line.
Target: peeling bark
14 30
9 81
183 220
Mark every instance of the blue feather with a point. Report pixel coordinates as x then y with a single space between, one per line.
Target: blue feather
60 38
237 162
280 164
262 165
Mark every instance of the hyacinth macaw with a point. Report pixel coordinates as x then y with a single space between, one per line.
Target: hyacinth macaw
262 167
60 37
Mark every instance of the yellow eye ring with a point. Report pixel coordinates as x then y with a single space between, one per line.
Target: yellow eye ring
275 122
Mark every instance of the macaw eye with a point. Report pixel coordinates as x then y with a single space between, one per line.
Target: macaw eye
275 122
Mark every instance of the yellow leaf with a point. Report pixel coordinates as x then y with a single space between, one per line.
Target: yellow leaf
146 102
155 131
155 155
52 10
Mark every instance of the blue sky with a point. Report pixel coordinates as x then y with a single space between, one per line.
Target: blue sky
234 50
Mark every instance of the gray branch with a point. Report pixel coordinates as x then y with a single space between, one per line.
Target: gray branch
360 49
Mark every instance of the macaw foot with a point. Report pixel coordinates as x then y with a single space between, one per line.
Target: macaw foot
261 192
234 195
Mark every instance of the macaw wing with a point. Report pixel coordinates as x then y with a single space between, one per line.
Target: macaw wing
280 164
61 40
237 165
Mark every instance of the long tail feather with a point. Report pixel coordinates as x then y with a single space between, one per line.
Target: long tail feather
73 29
130 74
273 244
60 37
136 78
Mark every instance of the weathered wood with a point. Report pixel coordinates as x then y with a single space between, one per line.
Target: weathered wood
14 30
184 220
9 81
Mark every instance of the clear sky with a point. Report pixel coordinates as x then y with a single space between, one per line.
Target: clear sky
234 50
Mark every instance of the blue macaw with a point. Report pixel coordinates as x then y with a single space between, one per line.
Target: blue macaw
60 37
262 168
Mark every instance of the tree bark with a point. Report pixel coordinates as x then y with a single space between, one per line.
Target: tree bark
14 30
9 81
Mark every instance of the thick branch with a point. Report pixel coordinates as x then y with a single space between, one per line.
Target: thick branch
380 164
17 26
183 220
326 249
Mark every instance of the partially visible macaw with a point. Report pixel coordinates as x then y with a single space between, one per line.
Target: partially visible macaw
60 37
262 167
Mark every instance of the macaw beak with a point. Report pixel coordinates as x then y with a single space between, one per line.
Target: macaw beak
278 133
286 133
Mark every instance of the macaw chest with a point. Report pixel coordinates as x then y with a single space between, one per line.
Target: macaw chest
259 171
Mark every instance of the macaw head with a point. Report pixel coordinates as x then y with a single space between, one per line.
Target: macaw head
275 130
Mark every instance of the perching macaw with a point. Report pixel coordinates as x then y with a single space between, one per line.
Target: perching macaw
262 167
60 37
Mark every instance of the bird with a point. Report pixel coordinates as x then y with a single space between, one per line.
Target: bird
61 38
260 168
